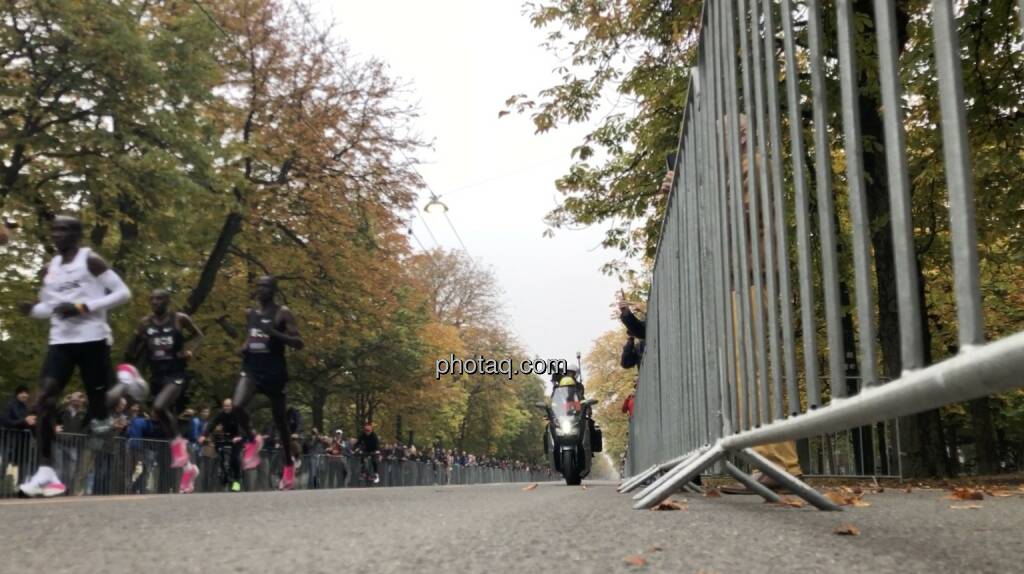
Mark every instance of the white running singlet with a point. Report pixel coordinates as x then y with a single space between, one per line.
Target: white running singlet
74 283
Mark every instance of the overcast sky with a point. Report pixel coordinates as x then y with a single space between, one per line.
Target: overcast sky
463 59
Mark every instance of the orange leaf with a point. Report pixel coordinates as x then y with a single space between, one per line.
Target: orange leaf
713 493
792 502
530 486
859 503
847 530
964 493
635 560
1000 493
837 498
671 505
908 490
965 506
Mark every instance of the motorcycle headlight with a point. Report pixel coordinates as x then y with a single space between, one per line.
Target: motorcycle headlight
565 427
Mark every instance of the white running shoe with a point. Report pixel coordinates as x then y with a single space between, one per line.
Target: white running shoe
44 483
130 377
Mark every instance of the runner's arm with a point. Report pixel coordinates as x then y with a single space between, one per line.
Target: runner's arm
117 292
290 336
193 336
133 351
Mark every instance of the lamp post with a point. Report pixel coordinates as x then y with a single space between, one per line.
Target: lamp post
435 205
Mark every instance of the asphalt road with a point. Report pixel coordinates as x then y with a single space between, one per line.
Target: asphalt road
500 528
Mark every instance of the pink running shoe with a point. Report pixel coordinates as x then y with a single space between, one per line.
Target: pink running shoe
43 486
251 456
287 478
179 453
188 479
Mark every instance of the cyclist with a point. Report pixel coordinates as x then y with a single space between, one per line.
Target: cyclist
368 445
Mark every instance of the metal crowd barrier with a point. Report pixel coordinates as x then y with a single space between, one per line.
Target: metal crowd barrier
88 466
721 372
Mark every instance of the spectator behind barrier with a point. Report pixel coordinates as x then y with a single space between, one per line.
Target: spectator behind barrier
16 414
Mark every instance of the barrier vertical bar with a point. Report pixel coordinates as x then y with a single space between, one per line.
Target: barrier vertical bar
781 229
848 78
803 231
959 178
739 236
912 351
826 208
731 353
774 378
753 216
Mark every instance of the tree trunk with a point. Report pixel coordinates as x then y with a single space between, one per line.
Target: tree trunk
317 407
231 228
916 432
985 451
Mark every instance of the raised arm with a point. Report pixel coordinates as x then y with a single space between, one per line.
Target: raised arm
193 336
290 335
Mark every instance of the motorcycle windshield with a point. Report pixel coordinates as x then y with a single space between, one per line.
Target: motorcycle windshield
565 401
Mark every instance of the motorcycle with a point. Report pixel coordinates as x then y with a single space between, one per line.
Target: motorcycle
571 437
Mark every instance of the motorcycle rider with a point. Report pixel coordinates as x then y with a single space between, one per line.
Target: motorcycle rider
368 445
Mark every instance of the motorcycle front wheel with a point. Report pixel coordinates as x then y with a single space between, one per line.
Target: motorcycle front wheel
570 469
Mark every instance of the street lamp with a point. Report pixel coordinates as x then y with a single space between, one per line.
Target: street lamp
435 205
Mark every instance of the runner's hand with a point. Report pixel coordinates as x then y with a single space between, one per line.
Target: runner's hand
30 420
666 183
67 310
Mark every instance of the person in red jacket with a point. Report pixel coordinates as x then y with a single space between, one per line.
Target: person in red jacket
627 405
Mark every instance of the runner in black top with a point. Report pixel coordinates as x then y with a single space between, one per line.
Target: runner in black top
161 338
265 370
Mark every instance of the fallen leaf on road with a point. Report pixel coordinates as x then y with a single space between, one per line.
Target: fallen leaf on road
584 487
635 560
671 505
964 506
792 502
847 530
713 493
847 499
858 491
999 493
655 549
908 490
964 493
530 486
836 498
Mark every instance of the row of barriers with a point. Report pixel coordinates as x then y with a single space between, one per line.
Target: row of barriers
117 465
733 358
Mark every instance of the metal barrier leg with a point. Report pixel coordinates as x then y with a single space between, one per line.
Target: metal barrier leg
753 485
797 486
638 479
681 474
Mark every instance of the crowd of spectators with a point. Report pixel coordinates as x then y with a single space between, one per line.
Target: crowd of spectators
133 423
